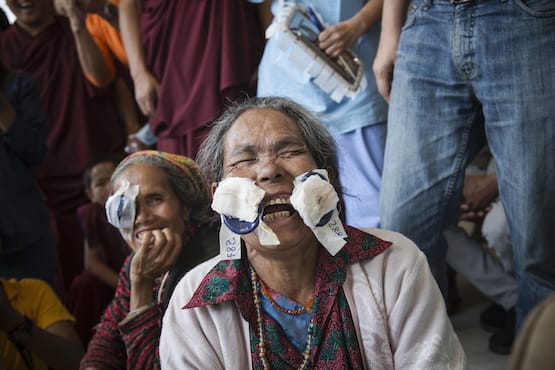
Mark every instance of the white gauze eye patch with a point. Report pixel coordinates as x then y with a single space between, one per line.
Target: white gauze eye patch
315 200
120 208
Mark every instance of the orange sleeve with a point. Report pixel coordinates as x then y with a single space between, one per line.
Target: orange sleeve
97 28
114 42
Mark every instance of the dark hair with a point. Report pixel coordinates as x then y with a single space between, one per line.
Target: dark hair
319 142
87 174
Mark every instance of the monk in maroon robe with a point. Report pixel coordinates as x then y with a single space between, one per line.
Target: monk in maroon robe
83 120
189 60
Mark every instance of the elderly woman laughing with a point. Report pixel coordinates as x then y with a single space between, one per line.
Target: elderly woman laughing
293 287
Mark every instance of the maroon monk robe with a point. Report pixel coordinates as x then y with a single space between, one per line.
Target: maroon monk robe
204 53
89 296
83 124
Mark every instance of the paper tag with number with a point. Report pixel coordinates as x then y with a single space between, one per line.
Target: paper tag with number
331 235
230 244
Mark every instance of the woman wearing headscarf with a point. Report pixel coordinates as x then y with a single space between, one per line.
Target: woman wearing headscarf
160 204
294 288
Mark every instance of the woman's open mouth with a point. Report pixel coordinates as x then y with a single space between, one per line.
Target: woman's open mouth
277 208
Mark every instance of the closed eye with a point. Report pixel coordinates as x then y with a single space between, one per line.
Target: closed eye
154 199
242 162
292 152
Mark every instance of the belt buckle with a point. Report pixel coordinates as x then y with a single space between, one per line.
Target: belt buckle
455 2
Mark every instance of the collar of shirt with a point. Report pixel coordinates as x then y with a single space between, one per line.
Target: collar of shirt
230 280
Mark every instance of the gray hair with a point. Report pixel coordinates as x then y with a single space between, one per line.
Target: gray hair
319 142
183 185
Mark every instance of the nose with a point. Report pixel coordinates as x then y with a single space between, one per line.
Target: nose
142 214
269 170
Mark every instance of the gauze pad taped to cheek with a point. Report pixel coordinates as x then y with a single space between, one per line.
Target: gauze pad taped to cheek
120 208
237 200
314 197
238 197
316 200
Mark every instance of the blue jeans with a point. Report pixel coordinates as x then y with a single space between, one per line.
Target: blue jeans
490 63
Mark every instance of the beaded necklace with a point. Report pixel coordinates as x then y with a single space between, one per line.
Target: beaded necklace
255 283
302 309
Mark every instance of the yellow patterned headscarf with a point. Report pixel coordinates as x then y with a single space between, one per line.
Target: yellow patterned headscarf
184 164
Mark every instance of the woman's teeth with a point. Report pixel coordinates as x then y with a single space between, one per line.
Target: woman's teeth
277 201
269 218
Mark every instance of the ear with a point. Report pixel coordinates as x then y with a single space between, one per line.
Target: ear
213 187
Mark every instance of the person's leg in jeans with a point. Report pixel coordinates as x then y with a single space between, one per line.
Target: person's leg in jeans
513 44
432 118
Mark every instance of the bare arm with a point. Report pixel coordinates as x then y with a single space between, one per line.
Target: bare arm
126 106
58 345
96 265
338 37
146 86
90 57
393 18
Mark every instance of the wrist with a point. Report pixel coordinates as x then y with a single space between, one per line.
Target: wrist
78 26
141 294
21 333
139 281
138 70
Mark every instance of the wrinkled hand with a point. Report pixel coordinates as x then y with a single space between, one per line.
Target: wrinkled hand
8 315
335 39
71 10
157 252
147 89
134 144
478 193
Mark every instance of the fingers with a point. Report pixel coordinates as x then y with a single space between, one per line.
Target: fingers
147 104
383 67
71 9
157 252
383 71
147 89
333 41
134 144
174 245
